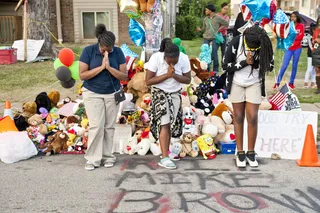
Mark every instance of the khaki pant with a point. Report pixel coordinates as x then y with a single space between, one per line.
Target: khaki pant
102 112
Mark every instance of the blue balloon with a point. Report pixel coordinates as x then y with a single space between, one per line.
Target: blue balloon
127 52
259 8
136 32
291 37
280 17
286 43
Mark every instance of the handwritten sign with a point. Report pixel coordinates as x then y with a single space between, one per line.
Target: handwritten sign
33 49
122 134
282 132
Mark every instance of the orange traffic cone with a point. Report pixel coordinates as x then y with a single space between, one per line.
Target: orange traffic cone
7 110
309 155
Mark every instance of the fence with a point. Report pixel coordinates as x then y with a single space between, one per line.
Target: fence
10 29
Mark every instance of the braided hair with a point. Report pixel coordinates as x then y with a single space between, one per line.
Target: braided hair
105 38
170 49
257 37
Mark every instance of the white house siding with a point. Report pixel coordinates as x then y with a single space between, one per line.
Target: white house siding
94 6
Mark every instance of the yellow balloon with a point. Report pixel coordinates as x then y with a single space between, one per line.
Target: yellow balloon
128 7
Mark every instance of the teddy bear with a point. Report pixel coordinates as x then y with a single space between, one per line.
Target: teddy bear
187 141
146 100
37 130
137 86
131 145
58 144
21 118
143 6
224 112
209 128
150 5
227 137
42 100
200 68
54 97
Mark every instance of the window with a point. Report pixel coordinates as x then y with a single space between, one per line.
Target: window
90 20
285 4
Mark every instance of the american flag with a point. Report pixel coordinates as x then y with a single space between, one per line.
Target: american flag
278 99
246 12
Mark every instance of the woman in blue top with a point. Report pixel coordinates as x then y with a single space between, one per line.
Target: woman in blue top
102 66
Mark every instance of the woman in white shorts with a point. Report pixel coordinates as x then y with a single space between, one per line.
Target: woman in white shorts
165 71
247 59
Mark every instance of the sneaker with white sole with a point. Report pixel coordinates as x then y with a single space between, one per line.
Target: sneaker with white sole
241 159
108 164
89 166
251 158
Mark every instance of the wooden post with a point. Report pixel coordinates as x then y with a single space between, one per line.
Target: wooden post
25 26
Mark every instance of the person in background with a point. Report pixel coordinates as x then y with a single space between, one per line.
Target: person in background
211 25
247 59
318 11
310 69
165 72
316 43
293 52
177 41
102 66
223 29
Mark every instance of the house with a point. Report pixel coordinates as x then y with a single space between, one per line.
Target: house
78 19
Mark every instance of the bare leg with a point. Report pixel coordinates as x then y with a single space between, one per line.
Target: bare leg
238 111
164 138
252 119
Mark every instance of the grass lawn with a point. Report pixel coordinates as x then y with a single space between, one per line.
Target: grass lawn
18 81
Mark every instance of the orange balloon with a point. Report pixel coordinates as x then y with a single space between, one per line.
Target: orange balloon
66 56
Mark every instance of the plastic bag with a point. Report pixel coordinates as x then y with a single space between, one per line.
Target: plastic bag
16 146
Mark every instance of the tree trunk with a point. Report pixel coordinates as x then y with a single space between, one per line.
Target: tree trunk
39 15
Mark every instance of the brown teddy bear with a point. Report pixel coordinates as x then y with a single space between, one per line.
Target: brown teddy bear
54 97
21 118
137 86
143 6
224 112
196 67
58 144
36 122
186 142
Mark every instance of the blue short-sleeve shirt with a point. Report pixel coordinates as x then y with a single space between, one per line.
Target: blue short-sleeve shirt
102 83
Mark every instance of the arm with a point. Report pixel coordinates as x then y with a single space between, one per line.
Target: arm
152 79
86 74
222 21
229 63
183 79
121 74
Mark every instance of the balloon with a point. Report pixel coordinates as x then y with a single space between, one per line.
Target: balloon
136 32
68 84
281 24
127 52
245 12
291 37
66 56
259 8
128 7
74 69
63 73
57 63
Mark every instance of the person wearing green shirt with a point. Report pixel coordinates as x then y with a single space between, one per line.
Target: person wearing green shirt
177 41
211 25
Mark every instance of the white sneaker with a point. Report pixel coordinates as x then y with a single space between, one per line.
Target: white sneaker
241 160
251 159
89 166
108 164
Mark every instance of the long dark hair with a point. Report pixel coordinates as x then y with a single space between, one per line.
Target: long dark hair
297 15
257 37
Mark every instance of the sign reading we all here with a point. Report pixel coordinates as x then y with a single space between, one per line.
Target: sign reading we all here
282 132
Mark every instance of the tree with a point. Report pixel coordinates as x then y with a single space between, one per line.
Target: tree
196 7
